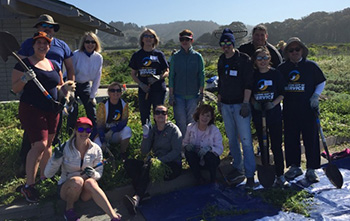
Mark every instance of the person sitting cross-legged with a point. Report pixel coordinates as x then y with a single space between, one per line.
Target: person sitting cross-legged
112 119
203 143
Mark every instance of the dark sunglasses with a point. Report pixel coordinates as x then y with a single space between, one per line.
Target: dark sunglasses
115 90
227 43
44 25
260 58
158 112
89 42
148 36
291 50
184 39
82 129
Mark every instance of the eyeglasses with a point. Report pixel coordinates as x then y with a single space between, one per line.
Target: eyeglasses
148 36
115 90
158 112
82 129
44 25
227 43
260 58
89 42
291 50
185 39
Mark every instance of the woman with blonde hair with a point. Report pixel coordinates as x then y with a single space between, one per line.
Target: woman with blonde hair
80 161
149 68
87 62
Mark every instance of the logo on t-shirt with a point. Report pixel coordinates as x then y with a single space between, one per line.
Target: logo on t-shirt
116 115
293 85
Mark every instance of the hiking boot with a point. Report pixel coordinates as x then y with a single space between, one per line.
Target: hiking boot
311 176
131 204
70 215
281 182
30 193
235 177
293 172
250 184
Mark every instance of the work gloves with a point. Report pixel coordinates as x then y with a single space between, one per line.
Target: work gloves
144 87
314 101
28 75
203 150
146 128
89 171
245 111
57 153
190 147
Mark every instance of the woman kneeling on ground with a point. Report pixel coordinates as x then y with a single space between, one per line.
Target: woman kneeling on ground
203 143
80 158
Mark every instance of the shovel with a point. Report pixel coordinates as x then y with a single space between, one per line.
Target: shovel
332 172
266 172
8 46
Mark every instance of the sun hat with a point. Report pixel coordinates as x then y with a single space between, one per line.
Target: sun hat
227 35
42 34
45 18
301 44
83 120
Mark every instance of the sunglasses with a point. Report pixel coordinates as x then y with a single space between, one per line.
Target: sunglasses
158 112
260 58
89 42
115 90
44 25
148 36
185 39
227 43
291 50
82 129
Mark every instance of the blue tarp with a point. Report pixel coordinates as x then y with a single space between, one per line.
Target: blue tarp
329 203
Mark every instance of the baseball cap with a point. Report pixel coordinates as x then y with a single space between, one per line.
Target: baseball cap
42 34
83 120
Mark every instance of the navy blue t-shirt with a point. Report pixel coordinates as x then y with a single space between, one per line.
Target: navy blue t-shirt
267 87
148 64
32 94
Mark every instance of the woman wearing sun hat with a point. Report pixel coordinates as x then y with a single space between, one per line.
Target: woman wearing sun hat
78 159
305 83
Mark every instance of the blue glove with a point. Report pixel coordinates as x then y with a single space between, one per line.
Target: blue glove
189 147
203 150
314 101
89 171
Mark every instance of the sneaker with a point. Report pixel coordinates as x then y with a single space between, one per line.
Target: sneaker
293 172
30 193
131 204
311 176
70 215
235 177
281 182
250 184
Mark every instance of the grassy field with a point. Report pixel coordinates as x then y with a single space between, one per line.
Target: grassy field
335 116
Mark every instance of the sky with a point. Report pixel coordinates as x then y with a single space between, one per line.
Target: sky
251 12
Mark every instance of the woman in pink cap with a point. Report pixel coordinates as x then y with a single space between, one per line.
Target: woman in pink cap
80 161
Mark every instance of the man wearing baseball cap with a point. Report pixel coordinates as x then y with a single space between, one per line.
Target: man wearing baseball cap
235 72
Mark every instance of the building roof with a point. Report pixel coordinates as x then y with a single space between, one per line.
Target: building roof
61 11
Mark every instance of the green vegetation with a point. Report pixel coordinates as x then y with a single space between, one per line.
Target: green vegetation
335 119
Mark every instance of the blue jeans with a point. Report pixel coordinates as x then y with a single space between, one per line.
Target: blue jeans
238 127
183 112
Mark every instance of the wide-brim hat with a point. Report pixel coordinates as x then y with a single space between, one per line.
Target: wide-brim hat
45 18
301 44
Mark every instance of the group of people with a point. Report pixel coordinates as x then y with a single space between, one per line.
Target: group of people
253 80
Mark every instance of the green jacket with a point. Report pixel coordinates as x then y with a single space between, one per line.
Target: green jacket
186 73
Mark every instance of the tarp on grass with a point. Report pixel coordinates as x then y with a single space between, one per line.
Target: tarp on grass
235 204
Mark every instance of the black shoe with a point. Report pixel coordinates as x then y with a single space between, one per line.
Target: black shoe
235 177
30 193
250 184
130 203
